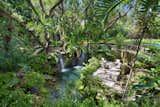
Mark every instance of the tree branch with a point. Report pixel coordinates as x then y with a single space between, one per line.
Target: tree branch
139 41
62 8
42 7
52 9
6 14
87 7
116 19
113 7
33 8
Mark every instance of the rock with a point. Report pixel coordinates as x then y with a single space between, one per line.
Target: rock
107 77
34 90
115 70
109 73
99 71
106 66
117 63
20 74
103 63
48 77
108 83
112 72
111 65
118 88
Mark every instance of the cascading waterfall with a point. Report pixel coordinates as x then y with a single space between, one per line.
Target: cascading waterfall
61 64
81 59
61 61
80 62
66 76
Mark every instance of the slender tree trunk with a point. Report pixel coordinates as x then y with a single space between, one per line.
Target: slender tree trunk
134 60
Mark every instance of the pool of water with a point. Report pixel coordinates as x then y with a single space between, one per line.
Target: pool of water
65 84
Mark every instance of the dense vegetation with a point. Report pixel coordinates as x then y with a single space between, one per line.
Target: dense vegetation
43 41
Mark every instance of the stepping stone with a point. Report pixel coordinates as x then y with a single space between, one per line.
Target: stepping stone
109 73
118 88
109 83
107 77
99 71
112 72
115 69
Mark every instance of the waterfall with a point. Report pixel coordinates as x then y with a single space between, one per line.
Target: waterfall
61 64
81 59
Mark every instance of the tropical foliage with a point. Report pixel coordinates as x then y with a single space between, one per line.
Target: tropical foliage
40 38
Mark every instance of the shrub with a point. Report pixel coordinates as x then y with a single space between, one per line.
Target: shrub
10 93
88 86
148 86
34 79
91 66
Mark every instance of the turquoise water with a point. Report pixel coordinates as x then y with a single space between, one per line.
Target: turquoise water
65 84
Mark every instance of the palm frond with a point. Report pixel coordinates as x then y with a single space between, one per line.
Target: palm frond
105 7
147 11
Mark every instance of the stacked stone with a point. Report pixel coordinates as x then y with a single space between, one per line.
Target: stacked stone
109 73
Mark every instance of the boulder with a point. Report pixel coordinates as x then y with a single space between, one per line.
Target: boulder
109 73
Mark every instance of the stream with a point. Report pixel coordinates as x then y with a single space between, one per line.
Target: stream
65 84
66 78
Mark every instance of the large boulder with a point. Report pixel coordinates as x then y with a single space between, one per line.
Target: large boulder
109 73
